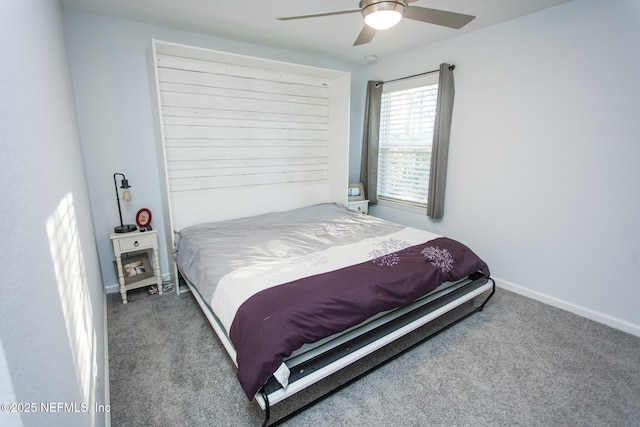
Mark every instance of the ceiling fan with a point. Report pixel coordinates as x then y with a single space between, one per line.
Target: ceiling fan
381 15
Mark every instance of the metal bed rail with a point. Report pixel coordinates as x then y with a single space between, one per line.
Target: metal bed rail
339 356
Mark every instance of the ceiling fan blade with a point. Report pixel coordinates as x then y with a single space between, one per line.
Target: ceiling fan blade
438 17
341 12
365 36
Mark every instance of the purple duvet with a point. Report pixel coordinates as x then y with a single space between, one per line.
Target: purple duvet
274 322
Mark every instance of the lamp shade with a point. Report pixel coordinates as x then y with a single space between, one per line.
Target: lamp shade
382 15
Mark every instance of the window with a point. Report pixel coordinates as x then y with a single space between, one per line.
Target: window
407 118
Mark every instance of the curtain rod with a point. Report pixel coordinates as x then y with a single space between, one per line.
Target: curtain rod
451 67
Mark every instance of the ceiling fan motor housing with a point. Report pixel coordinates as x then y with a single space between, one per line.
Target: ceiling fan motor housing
376 5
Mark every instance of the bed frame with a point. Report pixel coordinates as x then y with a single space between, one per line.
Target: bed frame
341 350
196 155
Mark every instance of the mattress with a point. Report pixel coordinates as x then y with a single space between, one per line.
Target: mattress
282 280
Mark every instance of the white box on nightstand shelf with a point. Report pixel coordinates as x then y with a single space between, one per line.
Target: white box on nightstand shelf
361 206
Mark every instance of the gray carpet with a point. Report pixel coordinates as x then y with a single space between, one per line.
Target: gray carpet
517 363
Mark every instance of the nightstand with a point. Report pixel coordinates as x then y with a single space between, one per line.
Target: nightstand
361 206
136 271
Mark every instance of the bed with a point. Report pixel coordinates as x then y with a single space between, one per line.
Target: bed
255 157
295 296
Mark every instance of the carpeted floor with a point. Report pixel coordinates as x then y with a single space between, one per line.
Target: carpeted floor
517 363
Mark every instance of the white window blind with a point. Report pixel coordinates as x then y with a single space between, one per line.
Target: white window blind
407 119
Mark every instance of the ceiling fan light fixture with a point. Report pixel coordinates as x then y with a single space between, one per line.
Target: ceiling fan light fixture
382 15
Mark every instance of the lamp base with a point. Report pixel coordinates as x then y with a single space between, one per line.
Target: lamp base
127 228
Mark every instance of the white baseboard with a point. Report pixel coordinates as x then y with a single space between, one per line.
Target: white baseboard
112 289
570 307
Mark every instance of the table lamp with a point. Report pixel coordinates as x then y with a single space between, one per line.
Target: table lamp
126 196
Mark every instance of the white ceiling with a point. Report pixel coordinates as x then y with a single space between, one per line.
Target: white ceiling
333 36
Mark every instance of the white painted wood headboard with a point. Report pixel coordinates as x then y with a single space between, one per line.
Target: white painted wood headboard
241 136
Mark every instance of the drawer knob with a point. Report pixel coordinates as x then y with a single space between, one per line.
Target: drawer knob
136 243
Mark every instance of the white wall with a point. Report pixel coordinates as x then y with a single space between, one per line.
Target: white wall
52 333
543 169
110 74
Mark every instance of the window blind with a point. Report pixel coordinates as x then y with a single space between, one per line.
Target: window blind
406 133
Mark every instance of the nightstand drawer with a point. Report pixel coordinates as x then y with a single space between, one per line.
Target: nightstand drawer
139 241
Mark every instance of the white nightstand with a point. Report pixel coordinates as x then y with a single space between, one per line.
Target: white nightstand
136 241
361 206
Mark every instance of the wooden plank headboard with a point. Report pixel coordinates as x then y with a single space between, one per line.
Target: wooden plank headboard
241 136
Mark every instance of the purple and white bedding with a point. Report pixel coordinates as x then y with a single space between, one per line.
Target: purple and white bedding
281 280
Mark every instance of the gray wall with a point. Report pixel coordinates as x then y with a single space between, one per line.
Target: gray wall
52 332
543 169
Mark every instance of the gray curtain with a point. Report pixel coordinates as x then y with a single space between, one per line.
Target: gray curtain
370 138
440 148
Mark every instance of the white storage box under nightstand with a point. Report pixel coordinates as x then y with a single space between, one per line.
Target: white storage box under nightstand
361 206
